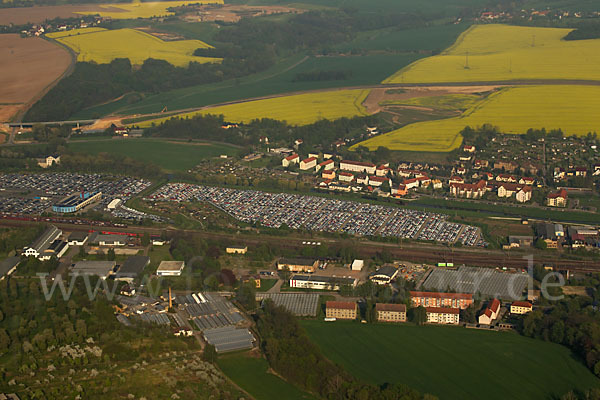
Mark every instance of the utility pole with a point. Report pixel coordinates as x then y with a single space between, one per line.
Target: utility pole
467 60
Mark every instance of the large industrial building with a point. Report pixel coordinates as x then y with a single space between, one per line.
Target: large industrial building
132 268
103 269
486 282
76 202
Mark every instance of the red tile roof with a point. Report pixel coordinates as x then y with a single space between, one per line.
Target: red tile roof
522 304
390 307
292 157
442 310
438 295
341 305
495 305
362 164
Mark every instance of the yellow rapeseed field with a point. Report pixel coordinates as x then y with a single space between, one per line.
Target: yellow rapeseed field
301 109
103 46
486 53
138 9
572 108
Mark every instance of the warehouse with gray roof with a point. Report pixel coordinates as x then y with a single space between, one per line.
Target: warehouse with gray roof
487 282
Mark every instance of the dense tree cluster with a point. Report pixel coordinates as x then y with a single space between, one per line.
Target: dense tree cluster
585 30
572 321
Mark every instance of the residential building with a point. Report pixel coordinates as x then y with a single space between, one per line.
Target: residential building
490 313
48 161
345 177
326 165
236 249
390 312
469 149
443 315
308 163
412 183
468 190
508 166
328 174
437 184
356 166
377 181
438 299
308 265
341 309
400 190
521 307
382 170
557 199
290 160
170 268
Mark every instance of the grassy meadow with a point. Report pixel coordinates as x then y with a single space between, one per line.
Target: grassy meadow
103 46
250 373
169 155
572 108
452 362
138 9
301 109
485 53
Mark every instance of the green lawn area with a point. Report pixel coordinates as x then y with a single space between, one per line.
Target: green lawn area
251 374
170 156
266 284
452 362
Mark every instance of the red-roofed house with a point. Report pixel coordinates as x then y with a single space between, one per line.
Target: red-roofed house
289 160
558 199
356 166
390 312
455 179
328 174
345 176
442 315
340 309
382 170
490 313
468 190
362 179
438 299
469 149
308 163
399 191
325 166
412 183
378 180
520 307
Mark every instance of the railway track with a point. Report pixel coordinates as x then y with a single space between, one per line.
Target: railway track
410 252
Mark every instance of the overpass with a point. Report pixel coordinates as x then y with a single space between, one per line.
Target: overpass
31 124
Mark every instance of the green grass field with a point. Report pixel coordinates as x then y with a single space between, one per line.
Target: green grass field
251 375
171 156
453 362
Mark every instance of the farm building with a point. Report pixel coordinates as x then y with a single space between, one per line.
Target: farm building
300 304
341 309
390 312
42 243
103 269
384 275
320 282
356 166
437 299
487 282
76 202
443 315
236 249
520 307
170 268
132 268
308 265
